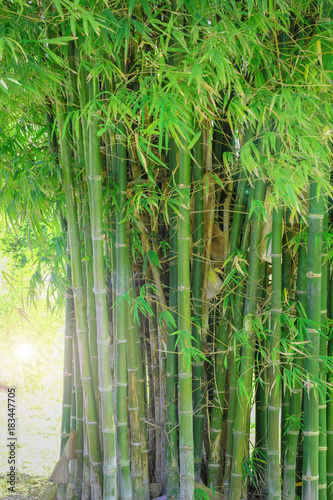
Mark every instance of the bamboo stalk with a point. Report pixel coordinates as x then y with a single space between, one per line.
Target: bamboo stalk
78 479
236 326
289 469
80 311
171 443
329 472
198 249
110 490
322 393
286 283
274 475
246 370
125 482
311 363
186 458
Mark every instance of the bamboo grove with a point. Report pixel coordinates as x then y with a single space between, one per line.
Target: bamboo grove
182 153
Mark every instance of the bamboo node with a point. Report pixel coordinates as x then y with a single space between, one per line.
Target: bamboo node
95 177
105 389
136 408
120 245
310 433
322 486
135 444
100 237
182 288
67 374
322 448
68 337
310 478
66 406
108 431
316 216
123 463
132 370
276 255
293 433
96 292
64 434
322 407
91 423
103 342
311 274
86 378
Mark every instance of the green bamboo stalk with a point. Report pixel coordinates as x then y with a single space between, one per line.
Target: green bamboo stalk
261 397
311 363
138 367
110 490
329 472
68 375
141 490
237 325
289 466
125 482
216 421
78 479
86 480
214 463
198 250
186 458
246 370
171 443
80 311
83 151
322 484
274 475
286 283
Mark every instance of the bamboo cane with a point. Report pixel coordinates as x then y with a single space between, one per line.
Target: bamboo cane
274 481
110 490
311 363
289 469
82 327
186 458
172 476
246 370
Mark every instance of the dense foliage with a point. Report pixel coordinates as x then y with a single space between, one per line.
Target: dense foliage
183 151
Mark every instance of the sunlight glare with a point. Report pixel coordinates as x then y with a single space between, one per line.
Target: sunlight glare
24 352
